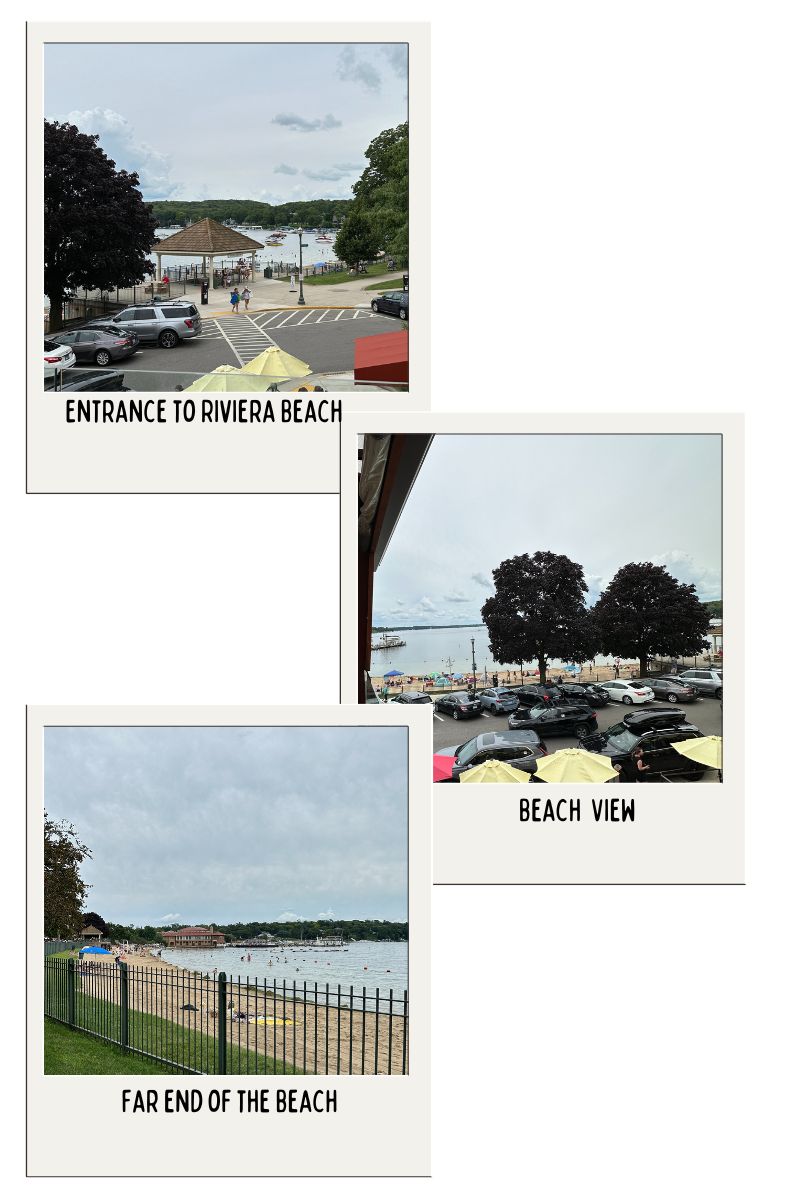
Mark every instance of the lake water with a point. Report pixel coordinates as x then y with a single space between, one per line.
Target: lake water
313 251
386 963
445 650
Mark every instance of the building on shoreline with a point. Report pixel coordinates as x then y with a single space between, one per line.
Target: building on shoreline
193 937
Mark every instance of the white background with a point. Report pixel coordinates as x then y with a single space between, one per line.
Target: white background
651 151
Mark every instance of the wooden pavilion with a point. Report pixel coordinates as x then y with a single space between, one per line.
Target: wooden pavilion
210 240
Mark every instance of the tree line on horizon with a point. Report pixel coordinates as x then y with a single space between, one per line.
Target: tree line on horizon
539 613
313 214
356 931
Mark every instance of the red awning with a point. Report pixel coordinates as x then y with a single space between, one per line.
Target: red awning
382 358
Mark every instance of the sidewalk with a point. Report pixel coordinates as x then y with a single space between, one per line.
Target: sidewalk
272 293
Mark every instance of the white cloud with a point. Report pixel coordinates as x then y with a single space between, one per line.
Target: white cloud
353 68
683 566
482 578
303 125
285 169
457 597
168 918
118 140
288 916
326 916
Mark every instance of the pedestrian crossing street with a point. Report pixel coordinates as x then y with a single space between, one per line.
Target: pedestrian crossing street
243 336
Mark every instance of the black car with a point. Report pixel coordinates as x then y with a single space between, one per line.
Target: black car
411 698
457 705
395 303
89 381
585 693
520 748
652 731
100 344
530 695
576 719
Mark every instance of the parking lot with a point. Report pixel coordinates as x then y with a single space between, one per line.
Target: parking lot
705 713
324 338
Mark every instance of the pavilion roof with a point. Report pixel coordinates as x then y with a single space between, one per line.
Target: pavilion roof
207 237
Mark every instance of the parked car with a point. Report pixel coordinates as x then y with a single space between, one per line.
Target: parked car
395 303
674 689
457 705
101 345
653 732
576 719
532 694
585 693
84 379
628 691
166 323
499 699
411 698
56 358
707 680
519 748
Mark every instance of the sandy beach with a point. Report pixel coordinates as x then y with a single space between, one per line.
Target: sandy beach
278 1026
596 674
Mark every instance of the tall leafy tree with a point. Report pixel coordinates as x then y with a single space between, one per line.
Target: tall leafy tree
380 201
93 918
357 240
64 890
538 611
98 231
645 611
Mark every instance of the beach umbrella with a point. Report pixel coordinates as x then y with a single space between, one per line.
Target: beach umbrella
442 767
574 765
228 379
277 365
458 675
94 950
494 771
391 674
704 750
442 681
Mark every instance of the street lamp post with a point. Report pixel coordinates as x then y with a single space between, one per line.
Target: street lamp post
301 298
474 667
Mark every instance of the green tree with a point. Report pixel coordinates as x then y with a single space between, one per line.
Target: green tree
356 240
646 611
98 231
538 611
64 890
381 193
93 918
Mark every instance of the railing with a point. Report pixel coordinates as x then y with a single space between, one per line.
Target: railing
216 1026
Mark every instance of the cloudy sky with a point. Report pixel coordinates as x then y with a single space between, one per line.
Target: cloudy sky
602 500
263 122
216 824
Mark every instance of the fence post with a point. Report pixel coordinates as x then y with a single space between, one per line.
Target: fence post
71 991
222 1024
123 1003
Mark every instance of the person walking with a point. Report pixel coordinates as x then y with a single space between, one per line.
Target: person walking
235 300
641 765
246 298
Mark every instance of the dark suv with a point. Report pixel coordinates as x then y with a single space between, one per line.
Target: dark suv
565 718
520 748
165 322
652 731
458 705
410 697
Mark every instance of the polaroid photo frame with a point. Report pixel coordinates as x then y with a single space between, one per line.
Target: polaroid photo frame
667 832
160 436
378 1123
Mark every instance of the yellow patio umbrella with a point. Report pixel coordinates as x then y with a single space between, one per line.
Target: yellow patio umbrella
494 771
574 765
228 379
705 750
277 365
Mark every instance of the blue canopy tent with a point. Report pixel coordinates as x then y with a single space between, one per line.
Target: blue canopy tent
391 674
94 950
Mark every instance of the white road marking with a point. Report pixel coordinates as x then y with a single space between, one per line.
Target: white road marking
339 314
438 718
305 318
274 317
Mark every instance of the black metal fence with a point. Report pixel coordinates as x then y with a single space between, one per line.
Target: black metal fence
216 1026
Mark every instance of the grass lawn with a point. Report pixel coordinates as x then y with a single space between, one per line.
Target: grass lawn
345 277
184 1045
68 1052
386 285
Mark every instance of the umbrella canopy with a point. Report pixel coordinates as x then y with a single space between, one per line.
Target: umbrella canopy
228 379
705 750
391 674
94 950
493 771
442 681
278 366
573 765
442 767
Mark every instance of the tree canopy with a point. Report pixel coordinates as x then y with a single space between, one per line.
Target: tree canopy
93 918
538 610
64 890
357 240
645 611
313 214
98 231
381 196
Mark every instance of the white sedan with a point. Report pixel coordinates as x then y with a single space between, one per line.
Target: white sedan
628 692
57 358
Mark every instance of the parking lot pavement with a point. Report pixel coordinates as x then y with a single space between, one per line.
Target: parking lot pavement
705 713
324 338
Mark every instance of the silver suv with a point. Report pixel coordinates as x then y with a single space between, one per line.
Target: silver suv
165 322
707 680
